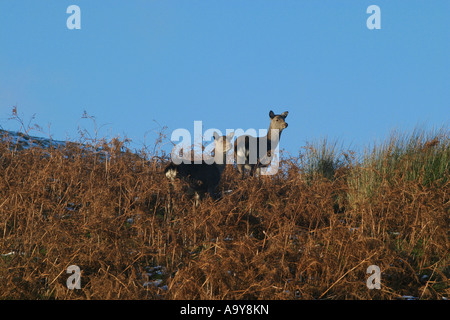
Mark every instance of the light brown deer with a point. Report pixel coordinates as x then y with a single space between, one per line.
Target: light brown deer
203 177
253 153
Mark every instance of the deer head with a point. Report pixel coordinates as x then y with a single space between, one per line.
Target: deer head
277 121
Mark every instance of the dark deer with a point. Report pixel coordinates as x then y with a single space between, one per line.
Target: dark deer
253 153
203 177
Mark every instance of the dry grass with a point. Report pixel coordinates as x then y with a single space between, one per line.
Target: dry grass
295 235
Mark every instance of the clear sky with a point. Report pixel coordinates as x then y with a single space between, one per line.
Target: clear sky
138 65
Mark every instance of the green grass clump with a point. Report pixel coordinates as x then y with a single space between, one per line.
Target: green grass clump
422 156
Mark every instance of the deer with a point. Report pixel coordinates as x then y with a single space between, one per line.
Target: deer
247 153
202 178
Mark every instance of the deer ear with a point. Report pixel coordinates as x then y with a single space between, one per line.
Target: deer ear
215 135
284 114
271 114
230 135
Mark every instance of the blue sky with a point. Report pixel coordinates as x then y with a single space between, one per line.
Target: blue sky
138 65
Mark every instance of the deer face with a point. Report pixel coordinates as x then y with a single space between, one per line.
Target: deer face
278 120
223 143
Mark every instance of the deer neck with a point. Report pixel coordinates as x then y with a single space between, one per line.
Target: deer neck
273 137
220 159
